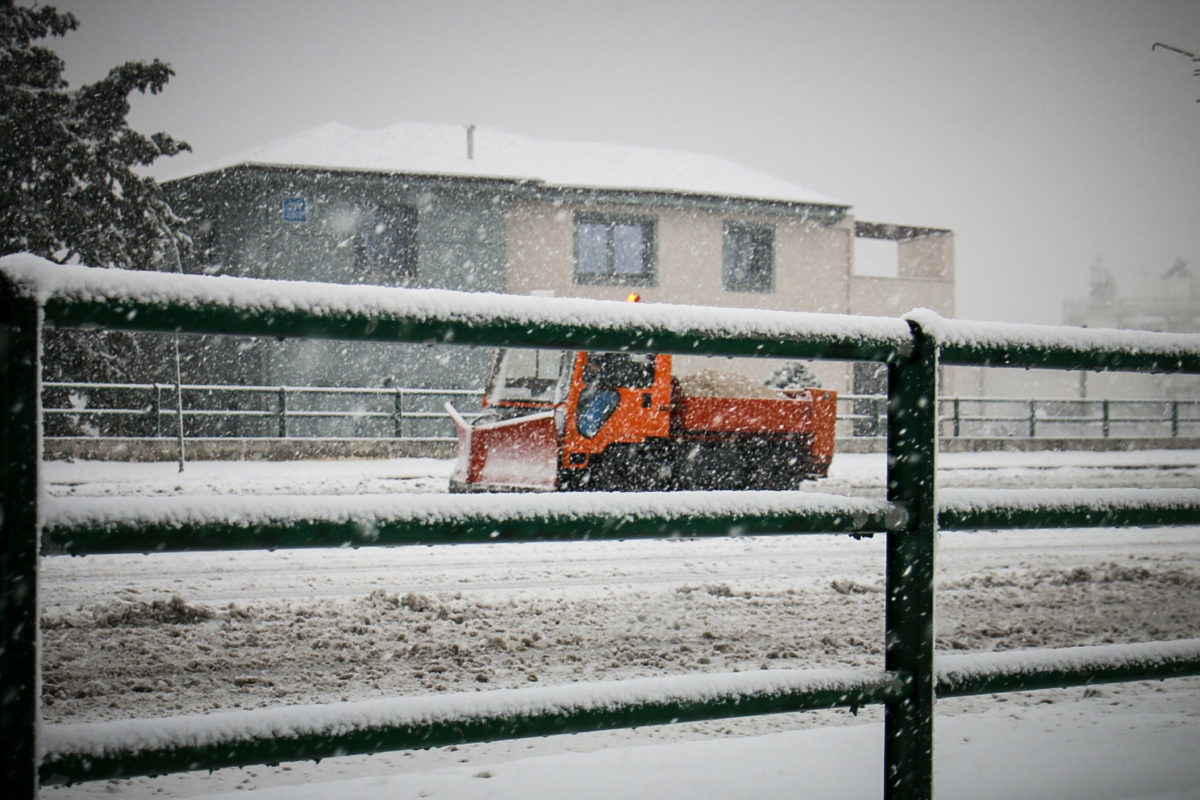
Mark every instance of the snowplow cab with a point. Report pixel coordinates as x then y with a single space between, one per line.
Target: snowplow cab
525 379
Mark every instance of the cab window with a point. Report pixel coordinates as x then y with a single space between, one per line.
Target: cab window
616 370
525 376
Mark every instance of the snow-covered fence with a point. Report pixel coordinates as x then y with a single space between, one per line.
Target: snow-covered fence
34 293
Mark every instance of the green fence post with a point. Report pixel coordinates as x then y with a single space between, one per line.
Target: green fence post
1106 419
20 452
283 411
909 602
156 409
399 414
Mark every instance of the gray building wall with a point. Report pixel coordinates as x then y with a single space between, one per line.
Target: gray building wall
238 222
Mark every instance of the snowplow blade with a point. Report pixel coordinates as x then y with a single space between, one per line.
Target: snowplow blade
824 416
509 455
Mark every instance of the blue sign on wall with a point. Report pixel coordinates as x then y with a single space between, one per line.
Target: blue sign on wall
295 209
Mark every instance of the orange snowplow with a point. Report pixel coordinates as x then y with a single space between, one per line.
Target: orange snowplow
563 421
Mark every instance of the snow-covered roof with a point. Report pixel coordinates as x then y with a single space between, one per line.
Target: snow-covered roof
442 149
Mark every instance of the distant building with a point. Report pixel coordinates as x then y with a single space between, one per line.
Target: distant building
1167 303
1171 304
479 209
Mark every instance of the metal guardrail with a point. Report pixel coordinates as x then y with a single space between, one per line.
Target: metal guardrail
146 410
962 417
992 417
34 293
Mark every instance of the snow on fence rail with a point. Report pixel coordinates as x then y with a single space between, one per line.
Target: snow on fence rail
158 524
1045 668
34 293
271 735
135 746
99 525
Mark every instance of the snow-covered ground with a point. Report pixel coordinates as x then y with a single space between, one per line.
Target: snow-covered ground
131 636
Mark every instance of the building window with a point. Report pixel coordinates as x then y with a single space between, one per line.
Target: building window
614 249
749 257
385 243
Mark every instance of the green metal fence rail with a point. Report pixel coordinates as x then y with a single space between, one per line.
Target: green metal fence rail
34 293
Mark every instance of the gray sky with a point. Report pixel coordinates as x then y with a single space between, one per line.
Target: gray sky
1045 134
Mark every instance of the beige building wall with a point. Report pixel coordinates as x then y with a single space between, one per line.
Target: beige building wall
812 260
930 256
924 279
812 267
895 297
814 270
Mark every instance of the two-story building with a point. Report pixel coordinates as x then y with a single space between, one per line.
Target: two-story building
479 209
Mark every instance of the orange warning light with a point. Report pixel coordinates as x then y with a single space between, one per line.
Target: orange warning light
634 297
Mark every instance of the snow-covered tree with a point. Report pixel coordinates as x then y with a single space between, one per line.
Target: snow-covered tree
68 186
793 375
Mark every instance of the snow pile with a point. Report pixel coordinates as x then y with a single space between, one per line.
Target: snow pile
715 383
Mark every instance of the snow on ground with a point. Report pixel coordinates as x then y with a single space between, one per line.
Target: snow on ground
130 636
140 479
981 756
850 473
